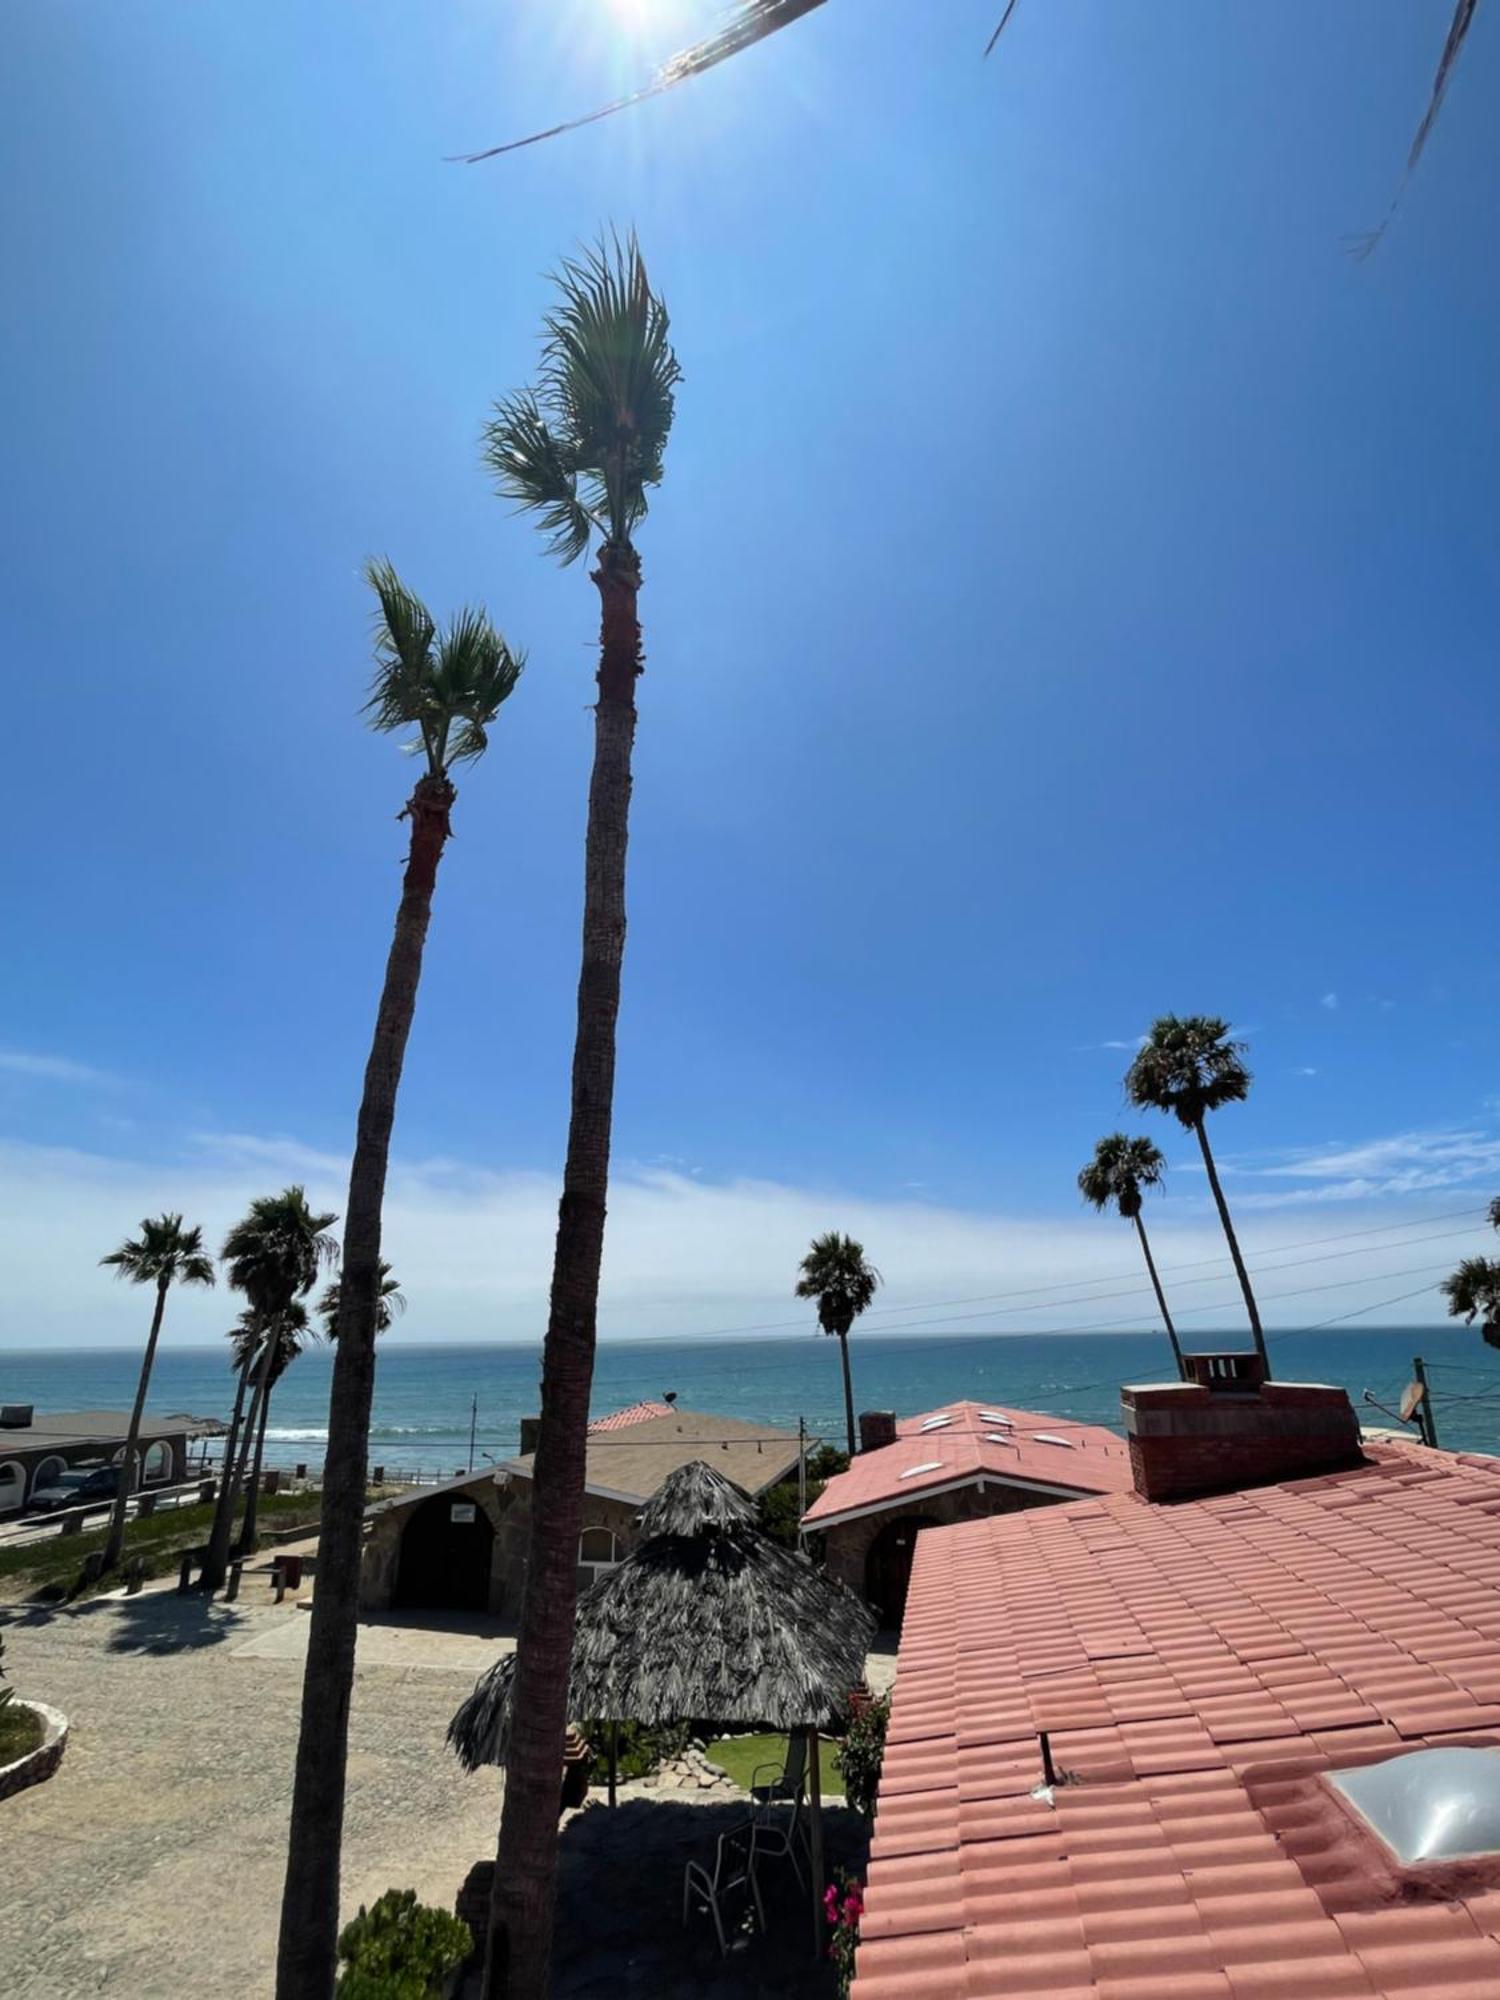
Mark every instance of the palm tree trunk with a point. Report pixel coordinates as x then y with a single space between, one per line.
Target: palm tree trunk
848 1391
1161 1297
216 1563
252 1490
115 1541
1234 1250
307 1948
520 1940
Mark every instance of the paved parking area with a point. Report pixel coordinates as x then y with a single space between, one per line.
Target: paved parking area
152 1863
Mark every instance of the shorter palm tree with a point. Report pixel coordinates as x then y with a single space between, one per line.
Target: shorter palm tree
836 1273
284 1337
1121 1169
1188 1065
163 1255
390 1302
1473 1292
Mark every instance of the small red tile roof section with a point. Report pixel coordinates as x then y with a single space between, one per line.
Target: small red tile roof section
1196 1666
634 1413
964 1442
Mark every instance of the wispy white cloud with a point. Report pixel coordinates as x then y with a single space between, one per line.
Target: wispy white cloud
1135 1042
1404 1164
53 1069
1307 1069
684 1256
1330 1001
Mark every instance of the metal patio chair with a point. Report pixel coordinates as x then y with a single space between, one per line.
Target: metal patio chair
733 1873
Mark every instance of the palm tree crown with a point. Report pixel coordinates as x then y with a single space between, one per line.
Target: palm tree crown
1473 1289
390 1302
581 448
837 1274
447 684
163 1254
1120 1169
276 1251
1189 1066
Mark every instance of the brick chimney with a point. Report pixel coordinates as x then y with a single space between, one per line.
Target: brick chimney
531 1431
876 1428
1227 1427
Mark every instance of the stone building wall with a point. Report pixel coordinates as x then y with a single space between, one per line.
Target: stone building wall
848 1544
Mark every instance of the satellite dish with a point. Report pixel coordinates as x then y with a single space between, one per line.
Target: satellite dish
1411 1396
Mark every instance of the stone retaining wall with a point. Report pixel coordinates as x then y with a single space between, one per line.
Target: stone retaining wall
43 1761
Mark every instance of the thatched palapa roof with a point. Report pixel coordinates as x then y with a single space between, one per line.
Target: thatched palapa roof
708 1620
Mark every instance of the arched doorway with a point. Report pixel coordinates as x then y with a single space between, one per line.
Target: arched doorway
157 1463
46 1472
12 1487
444 1563
888 1566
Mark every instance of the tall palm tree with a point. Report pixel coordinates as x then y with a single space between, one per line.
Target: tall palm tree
1474 1291
1121 1169
390 1302
163 1255
275 1253
752 21
284 1337
581 452
244 1345
1190 1066
835 1273
448 685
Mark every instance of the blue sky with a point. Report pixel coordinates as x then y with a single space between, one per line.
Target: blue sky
1072 596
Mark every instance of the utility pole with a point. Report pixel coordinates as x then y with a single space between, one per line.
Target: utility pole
801 1479
1424 1409
473 1423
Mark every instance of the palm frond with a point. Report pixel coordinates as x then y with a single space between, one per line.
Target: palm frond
1121 1167
533 467
837 1274
447 686
1458 28
475 673
165 1253
750 22
1188 1065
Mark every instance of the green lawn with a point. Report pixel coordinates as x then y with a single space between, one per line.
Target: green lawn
742 1756
161 1540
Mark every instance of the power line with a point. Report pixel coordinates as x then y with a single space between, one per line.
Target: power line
1115 1277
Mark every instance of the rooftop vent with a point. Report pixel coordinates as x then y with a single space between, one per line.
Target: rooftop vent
16 1416
1429 1805
937 1423
1240 1371
932 1465
1048 1437
993 1417
998 1437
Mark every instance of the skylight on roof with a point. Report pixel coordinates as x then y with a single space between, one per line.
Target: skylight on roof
932 1465
936 1423
1429 1805
998 1437
993 1417
1050 1437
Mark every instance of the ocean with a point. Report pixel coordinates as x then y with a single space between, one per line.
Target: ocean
424 1395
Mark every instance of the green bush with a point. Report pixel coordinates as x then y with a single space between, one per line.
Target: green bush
640 1749
779 1513
862 1752
400 1950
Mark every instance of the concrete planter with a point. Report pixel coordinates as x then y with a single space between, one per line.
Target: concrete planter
43 1761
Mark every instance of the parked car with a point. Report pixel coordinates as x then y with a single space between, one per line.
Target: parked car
76 1488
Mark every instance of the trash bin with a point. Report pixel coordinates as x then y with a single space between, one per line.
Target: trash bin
291 1571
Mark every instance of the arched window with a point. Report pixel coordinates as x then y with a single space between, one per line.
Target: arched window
12 1487
158 1461
46 1472
598 1553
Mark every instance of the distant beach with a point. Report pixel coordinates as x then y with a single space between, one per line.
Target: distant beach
424 1393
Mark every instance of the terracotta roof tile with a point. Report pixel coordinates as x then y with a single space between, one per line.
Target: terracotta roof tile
1026 1449
1197 1667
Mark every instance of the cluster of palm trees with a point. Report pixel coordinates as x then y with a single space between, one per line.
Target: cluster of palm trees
273 1256
1187 1066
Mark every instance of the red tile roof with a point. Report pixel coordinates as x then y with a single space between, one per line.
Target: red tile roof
634 1413
1196 1666
966 1441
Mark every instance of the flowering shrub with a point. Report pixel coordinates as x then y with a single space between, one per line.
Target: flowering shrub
862 1751
844 1905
